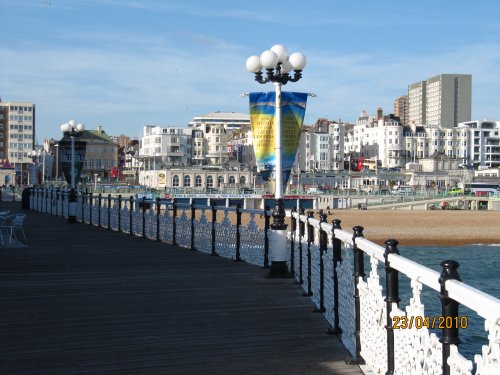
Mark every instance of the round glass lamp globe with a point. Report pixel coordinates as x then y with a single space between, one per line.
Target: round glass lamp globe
281 52
72 123
253 64
268 59
298 60
65 127
286 67
80 127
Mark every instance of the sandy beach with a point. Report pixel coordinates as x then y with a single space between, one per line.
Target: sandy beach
414 228
419 228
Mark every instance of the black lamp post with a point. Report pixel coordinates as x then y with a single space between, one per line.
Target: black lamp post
73 130
278 65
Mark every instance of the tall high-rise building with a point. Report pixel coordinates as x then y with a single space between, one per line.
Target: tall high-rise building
443 100
17 132
401 109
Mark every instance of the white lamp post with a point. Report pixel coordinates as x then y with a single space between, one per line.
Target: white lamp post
57 160
35 155
278 65
72 129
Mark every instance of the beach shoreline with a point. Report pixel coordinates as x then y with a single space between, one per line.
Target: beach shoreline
414 228
423 228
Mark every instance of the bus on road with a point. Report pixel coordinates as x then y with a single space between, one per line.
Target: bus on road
482 188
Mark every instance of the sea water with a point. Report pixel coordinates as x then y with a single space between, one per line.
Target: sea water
479 268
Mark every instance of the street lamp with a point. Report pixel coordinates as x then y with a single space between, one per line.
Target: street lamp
35 155
278 65
72 129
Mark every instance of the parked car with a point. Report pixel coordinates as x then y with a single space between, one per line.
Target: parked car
455 191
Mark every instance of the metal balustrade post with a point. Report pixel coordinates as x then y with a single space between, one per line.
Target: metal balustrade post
322 250
119 213
158 208
57 201
143 217
83 206
131 214
310 239
99 204
336 259
174 224
293 228
302 232
267 227
109 211
392 291
359 272
214 220
90 208
193 215
238 235
449 312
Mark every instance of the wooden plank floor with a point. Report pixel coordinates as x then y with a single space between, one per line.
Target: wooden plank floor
84 300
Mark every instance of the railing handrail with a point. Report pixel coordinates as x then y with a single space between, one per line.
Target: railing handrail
483 304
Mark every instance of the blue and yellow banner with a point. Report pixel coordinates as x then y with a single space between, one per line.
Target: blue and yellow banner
262 114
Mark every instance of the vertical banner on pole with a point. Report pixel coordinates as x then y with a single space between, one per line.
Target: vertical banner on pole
65 158
262 111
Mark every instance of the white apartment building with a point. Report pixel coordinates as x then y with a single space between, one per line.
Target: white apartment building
230 120
165 146
17 132
211 134
322 151
443 100
482 146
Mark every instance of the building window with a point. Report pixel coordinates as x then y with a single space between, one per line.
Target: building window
243 180
198 181
210 181
175 180
232 180
220 181
187 181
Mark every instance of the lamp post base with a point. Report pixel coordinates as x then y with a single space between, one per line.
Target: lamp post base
279 269
72 206
279 248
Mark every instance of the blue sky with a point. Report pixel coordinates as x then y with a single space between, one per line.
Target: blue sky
123 64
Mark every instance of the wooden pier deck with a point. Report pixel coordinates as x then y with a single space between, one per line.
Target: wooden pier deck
85 300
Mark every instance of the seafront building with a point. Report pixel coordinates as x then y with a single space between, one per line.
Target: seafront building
401 109
17 135
443 100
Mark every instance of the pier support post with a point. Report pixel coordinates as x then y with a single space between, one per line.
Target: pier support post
359 272
337 258
449 311
293 229
322 250
131 213
310 239
392 287
302 232
238 235
119 213
214 220
266 236
158 208
109 211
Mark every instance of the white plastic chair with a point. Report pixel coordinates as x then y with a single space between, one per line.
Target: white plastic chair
10 224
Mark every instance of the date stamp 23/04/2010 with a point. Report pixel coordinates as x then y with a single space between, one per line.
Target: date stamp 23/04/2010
429 322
